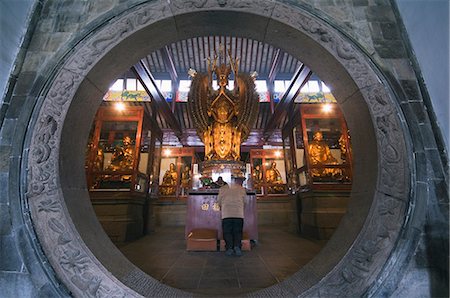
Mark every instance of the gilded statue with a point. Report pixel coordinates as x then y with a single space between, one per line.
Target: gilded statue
98 160
343 148
169 183
122 157
320 154
273 179
186 177
257 174
223 118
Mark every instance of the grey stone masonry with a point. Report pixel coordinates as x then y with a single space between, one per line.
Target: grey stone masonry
373 24
53 25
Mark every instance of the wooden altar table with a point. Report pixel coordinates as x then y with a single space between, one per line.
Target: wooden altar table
203 214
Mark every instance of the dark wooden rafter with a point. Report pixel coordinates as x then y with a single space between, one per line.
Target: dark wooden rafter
299 79
170 66
148 82
274 67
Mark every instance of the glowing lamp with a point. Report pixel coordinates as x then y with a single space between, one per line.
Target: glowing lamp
120 106
167 152
326 108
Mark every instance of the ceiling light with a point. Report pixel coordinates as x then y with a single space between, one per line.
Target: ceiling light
326 108
120 106
167 152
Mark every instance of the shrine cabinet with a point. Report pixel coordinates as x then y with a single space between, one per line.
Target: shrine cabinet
176 171
268 171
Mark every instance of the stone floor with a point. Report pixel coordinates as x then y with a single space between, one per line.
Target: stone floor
276 256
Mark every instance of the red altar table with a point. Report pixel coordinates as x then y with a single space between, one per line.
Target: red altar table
203 212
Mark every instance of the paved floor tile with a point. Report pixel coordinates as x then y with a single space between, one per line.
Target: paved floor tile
276 256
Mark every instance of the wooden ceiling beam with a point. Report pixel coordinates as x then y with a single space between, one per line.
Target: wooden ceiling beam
170 66
144 76
299 79
274 68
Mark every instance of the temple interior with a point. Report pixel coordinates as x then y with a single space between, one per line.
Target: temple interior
125 124
193 114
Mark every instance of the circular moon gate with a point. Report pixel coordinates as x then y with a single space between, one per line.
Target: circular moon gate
81 254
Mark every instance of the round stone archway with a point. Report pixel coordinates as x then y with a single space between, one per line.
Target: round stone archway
81 254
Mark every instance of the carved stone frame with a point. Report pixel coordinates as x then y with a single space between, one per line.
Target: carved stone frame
84 259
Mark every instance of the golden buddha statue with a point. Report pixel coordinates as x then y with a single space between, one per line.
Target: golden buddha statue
169 183
122 158
343 148
186 177
320 154
223 118
98 160
257 174
273 179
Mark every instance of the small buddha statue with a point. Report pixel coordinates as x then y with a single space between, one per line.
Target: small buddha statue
320 154
169 183
122 158
98 161
343 148
186 177
273 179
257 174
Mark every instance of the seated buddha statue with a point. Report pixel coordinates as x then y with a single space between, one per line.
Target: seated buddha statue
169 183
273 179
122 158
320 154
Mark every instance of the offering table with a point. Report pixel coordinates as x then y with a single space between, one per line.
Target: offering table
204 217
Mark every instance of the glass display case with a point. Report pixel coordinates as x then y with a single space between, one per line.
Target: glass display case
324 146
117 155
268 171
176 171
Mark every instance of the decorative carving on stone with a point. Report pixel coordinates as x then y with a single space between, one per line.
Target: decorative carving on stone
75 265
362 262
60 92
43 166
262 7
89 284
49 206
74 261
182 4
222 3
146 15
64 237
331 40
111 35
391 144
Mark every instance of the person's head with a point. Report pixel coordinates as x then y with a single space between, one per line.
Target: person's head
236 180
274 165
172 166
219 179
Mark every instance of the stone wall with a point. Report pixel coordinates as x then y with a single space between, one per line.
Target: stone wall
13 29
373 24
24 270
